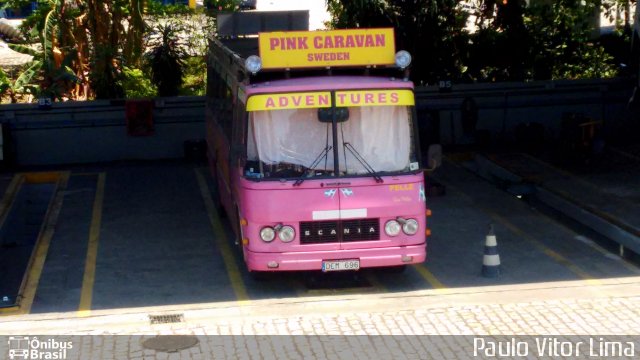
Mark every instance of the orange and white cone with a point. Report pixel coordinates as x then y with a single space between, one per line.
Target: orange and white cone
491 259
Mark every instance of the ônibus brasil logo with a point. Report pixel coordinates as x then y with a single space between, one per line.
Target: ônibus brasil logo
32 348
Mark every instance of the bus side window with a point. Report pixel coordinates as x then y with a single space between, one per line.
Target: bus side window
213 97
226 113
217 96
239 135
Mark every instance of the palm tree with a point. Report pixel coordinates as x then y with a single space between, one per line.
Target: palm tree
166 58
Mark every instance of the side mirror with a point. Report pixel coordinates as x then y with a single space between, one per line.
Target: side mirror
434 157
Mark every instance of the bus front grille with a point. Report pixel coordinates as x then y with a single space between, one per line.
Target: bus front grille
318 232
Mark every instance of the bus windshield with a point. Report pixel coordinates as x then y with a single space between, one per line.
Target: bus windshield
295 143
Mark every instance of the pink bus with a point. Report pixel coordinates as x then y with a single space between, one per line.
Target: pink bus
317 170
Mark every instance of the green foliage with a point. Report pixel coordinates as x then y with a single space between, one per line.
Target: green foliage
31 27
23 49
431 30
26 81
13 89
617 44
500 48
5 84
137 84
166 58
592 61
43 76
83 46
562 45
156 8
512 41
58 80
199 27
195 73
222 5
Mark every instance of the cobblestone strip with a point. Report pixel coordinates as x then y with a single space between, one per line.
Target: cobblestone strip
599 316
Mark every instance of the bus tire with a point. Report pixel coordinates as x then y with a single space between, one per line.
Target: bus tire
237 234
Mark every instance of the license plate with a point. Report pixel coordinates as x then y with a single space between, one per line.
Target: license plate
340 265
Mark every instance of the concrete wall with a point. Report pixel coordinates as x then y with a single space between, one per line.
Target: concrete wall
503 106
86 132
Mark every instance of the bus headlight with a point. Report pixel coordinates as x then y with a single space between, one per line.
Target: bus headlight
402 59
286 233
267 234
392 228
410 227
253 64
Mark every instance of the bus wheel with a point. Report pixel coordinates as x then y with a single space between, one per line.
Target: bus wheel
238 229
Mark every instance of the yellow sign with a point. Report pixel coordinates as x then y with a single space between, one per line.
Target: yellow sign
306 100
401 187
302 49
374 98
302 100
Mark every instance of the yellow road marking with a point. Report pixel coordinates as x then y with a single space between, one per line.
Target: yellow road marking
546 250
88 280
42 177
10 310
598 212
564 173
221 241
5 206
375 283
32 277
9 196
427 275
628 265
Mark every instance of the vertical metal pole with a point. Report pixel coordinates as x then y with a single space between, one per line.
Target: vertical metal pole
334 129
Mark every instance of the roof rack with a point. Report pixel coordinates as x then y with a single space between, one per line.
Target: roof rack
236 38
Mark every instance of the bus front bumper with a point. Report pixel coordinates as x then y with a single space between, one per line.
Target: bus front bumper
312 260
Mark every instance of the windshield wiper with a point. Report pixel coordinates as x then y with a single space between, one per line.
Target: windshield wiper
311 168
363 162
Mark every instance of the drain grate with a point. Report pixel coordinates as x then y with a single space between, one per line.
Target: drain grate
166 319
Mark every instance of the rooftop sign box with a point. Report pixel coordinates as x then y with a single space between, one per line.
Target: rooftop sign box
309 49
252 22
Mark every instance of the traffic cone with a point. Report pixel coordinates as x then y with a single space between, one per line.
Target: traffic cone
491 259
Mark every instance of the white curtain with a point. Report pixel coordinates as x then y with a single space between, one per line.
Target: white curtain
381 134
